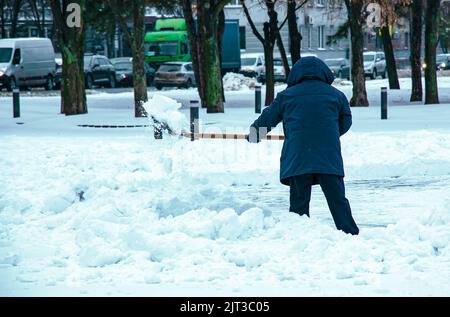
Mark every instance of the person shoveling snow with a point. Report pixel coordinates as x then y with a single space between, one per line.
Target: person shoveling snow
314 116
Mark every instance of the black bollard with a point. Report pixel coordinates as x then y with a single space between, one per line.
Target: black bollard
157 130
16 103
194 118
257 99
384 105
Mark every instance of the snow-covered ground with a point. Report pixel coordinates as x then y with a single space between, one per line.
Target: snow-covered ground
86 211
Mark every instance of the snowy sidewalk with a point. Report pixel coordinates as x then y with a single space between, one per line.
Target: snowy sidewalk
113 212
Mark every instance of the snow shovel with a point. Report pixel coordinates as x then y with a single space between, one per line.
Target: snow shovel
233 136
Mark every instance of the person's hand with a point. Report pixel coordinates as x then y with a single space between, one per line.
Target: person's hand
252 137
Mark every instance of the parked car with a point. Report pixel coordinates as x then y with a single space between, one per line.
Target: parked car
374 64
124 71
279 73
98 70
340 67
175 74
27 62
443 61
252 65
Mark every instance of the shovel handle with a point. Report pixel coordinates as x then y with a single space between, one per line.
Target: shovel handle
232 136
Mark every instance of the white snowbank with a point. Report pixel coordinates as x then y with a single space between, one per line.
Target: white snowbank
234 82
173 212
165 109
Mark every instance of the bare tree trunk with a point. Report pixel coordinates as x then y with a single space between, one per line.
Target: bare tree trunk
37 16
268 56
431 41
213 79
416 48
2 19
220 44
135 39
268 42
71 42
282 50
294 34
16 7
354 9
390 58
195 57
139 78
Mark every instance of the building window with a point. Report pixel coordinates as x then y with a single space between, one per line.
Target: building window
321 34
309 36
242 38
320 3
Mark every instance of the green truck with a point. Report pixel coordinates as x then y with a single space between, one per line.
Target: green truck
169 42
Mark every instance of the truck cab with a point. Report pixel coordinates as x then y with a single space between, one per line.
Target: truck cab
168 43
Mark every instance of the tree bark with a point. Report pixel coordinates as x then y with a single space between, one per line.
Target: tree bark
2 19
208 32
194 49
212 68
416 48
282 50
294 34
139 78
356 21
431 41
135 39
268 42
268 56
16 7
220 44
390 58
71 42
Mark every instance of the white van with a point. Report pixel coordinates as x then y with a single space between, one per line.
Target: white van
27 62
252 64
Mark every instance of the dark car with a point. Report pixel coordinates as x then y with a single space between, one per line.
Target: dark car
98 70
340 67
124 71
443 61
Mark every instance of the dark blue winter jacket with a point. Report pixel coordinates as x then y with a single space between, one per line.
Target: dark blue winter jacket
314 116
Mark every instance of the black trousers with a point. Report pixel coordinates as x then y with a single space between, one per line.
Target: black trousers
334 190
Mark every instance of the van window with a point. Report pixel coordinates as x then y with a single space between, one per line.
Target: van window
188 67
17 57
5 54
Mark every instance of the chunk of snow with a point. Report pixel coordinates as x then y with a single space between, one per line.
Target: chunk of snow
234 82
165 109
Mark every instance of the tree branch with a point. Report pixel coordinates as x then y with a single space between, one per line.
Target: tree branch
296 9
122 22
219 7
252 24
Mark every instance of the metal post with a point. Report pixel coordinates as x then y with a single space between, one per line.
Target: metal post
194 118
257 99
384 105
16 103
157 133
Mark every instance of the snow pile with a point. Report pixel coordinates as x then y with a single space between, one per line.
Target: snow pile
341 82
165 109
209 213
234 82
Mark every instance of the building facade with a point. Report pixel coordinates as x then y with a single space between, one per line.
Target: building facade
318 21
